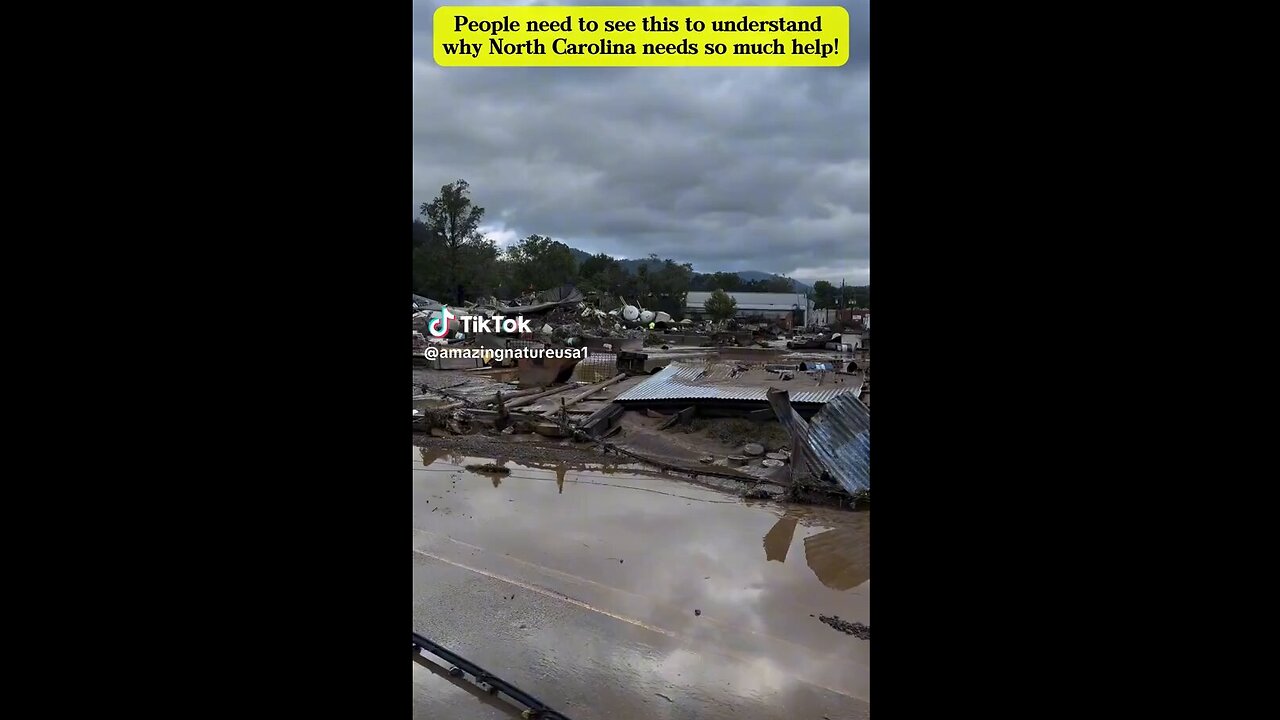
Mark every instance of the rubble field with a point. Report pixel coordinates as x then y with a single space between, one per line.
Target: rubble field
756 408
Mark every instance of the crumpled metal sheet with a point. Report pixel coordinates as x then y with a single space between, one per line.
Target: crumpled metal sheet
840 439
836 442
551 299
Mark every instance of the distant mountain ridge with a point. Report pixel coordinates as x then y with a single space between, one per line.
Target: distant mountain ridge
749 275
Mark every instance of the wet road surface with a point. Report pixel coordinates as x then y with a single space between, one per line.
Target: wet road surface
580 586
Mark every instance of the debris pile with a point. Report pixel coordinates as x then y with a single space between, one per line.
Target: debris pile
856 629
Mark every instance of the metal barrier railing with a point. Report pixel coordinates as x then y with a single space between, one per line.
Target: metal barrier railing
459 667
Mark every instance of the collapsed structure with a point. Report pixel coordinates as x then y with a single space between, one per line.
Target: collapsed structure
765 409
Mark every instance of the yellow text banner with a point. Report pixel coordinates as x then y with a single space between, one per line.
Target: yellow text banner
679 36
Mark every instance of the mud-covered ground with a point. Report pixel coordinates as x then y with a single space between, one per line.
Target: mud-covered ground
562 454
559 455
518 449
697 451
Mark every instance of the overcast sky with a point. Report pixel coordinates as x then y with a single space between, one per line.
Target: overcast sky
726 168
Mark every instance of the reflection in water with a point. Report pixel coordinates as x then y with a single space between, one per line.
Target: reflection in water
429 456
778 540
841 558
610 636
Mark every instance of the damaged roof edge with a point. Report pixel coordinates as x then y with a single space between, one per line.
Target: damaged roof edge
839 438
678 382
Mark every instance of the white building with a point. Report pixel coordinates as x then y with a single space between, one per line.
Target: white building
771 306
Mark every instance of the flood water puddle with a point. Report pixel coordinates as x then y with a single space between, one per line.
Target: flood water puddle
609 593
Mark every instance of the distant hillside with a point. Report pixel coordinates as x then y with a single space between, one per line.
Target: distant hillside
757 275
632 265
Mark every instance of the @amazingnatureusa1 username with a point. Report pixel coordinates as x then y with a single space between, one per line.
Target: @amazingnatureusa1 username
500 354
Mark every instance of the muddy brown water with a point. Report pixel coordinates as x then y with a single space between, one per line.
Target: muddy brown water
580 583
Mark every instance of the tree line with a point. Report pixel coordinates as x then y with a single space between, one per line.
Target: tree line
453 262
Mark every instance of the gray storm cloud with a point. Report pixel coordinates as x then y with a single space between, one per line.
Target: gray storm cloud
726 168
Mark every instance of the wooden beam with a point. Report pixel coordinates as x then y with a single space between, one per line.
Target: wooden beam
511 394
681 417
530 399
586 393
602 416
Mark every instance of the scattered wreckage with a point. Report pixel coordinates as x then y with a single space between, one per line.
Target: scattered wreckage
698 399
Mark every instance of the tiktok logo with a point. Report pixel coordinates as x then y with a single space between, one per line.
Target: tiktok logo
439 327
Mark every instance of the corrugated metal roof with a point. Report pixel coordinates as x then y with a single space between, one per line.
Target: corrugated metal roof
758 306
683 381
840 438
758 301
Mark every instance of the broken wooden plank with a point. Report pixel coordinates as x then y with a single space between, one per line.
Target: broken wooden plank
601 419
549 430
512 394
605 411
530 399
586 408
452 395
681 417
586 393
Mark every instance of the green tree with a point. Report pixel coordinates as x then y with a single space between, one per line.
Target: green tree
670 285
726 281
541 262
641 287
856 297
455 221
478 259
721 306
426 261
596 265
824 294
601 273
